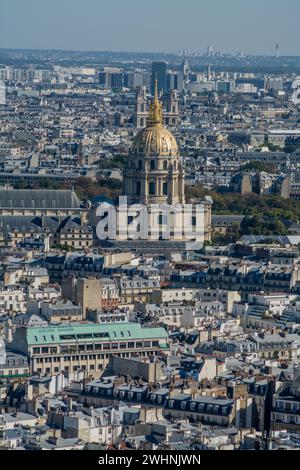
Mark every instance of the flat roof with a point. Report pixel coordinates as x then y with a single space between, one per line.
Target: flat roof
78 332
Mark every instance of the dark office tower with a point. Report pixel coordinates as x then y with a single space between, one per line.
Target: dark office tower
116 80
159 73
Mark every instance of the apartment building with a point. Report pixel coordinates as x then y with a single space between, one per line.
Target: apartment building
285 413
12 299
137 289
85 346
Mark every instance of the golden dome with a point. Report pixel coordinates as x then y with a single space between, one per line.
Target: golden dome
154 139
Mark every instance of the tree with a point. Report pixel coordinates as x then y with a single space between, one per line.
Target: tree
256 165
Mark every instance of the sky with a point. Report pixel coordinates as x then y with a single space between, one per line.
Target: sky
250 26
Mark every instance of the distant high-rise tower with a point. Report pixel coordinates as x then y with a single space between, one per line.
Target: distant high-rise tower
210 51
159 73
208 73
185 69
277 51
2 92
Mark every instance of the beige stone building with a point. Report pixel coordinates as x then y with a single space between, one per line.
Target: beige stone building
86 346
155 178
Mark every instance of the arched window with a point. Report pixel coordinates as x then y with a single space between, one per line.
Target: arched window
152 165
165 165
165 187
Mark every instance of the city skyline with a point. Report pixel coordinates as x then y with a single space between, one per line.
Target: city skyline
150 230
169 27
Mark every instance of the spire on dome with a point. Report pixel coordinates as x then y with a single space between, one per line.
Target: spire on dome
155 117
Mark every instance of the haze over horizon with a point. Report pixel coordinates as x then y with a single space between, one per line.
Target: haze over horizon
140 26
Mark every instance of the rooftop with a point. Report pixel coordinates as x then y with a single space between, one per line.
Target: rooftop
78 332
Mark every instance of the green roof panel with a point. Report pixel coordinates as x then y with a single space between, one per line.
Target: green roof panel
92 332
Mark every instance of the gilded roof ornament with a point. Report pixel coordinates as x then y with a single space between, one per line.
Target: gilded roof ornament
155 117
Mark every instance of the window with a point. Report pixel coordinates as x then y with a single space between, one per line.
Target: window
165 165
152 188
138 187
163 219
152 165
165 187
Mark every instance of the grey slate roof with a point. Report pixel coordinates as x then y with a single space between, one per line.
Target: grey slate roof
26 223
39 199
39 224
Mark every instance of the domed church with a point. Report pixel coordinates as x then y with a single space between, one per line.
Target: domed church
154 173
155 217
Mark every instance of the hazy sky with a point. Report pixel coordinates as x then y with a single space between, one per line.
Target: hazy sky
251 26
